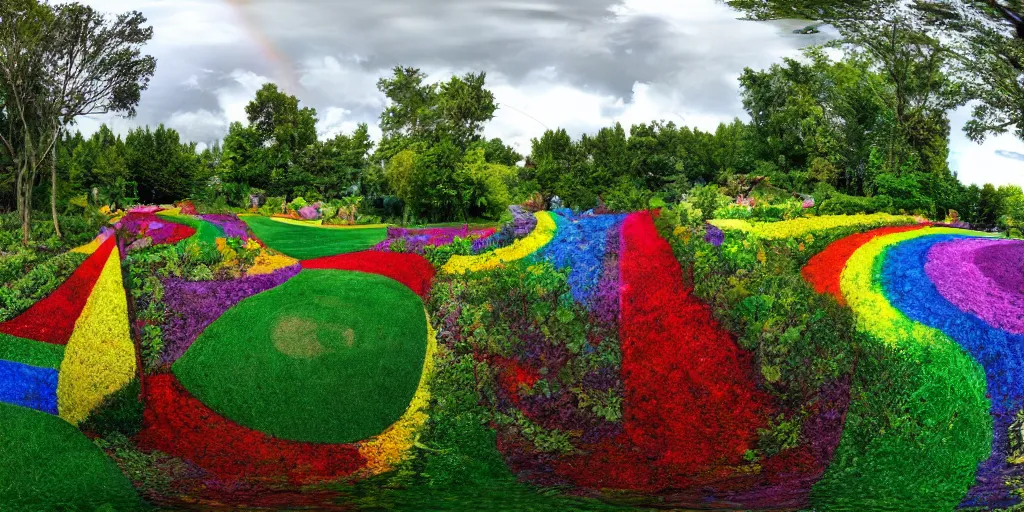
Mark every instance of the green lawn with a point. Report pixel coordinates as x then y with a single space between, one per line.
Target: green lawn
329 356
205 231
307 242
47 464
30 352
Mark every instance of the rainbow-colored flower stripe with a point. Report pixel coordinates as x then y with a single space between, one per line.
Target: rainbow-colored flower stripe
72 349
809 225
538 238
930 425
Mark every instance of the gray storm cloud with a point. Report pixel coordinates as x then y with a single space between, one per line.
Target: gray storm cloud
578 64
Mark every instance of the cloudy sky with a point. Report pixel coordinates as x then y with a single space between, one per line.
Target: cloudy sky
576 64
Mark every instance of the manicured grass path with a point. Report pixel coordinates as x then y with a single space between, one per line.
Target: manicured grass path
307 242
47 464
328 357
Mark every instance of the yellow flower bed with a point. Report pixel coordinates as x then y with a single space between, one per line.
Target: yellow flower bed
875 314
100 356
267 263
803 226
385 450
91 247
294 222
732 225
539 237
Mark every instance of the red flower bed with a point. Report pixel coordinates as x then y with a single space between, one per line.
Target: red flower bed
692 408
691 395
180 425
53 319
161 231
825 268
412 270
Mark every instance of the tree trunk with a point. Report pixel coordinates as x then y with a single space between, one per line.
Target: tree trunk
23 189
53 191
19 178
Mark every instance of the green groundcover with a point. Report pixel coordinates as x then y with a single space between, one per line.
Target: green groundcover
47 464
307 242
329 356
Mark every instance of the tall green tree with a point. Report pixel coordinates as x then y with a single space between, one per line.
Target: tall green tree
58 63
453 111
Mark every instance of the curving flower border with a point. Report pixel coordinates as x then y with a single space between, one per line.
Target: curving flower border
912 289
53 319
181 425
952 267
804 225
541 235
934 427
100 356
387 449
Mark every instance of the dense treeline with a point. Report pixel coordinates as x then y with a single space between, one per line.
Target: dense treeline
862 129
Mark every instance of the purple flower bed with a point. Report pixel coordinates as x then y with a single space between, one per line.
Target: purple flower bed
1003 263
523 223
714 235
232 226
606 299
417 240
194 305
961 273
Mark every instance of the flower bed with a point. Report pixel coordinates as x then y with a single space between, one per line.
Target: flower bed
417 240
28 386
138 226
824 269
178 424
961 273
100 356
52 320
811 225
683 425
542 234
411 270
580 244
918 425
913 276
523 223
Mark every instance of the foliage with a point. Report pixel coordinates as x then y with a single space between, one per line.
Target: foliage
61 62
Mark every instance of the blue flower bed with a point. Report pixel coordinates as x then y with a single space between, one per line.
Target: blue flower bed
580 244
28 386
1000 353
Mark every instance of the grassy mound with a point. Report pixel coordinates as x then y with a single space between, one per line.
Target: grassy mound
47 464
329 356
306 242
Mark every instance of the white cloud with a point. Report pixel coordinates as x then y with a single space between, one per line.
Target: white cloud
580 65
979 163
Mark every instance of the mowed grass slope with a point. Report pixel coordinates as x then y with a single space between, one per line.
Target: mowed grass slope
330 356
307 242
47 464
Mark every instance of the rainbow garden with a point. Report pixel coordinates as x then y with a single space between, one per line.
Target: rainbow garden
558 361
